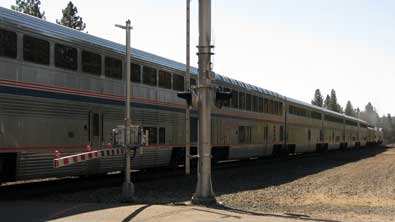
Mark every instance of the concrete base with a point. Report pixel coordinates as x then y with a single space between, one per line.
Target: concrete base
127 192
203 200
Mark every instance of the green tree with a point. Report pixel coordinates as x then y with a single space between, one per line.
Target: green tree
327 101
71 19
369 108
350 109
333 105
370 115
30 7
318 100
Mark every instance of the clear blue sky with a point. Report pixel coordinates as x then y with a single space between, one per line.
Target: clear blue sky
291 47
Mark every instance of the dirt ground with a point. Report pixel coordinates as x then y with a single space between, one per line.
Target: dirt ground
360 187
345 185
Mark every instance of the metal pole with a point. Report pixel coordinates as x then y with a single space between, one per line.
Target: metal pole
204 190
127 187
188 87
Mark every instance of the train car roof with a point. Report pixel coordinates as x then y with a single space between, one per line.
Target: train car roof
61 32
325 111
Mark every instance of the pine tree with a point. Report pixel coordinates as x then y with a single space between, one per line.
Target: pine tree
370 115
71 19
349 109
369 108
327 101
333 105
318 100
30 7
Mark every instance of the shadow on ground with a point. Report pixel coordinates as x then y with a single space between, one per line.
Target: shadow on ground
257 174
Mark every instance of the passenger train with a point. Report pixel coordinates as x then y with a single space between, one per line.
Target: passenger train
61 89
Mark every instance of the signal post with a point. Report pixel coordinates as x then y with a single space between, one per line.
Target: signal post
203 99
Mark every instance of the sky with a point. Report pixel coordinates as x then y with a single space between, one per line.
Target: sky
290 47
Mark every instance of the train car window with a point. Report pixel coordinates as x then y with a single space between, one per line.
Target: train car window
260 105
280 108
35 50
235 99
193 82
315 115
91 62
274 133
135 71
309 135
152 134
270 107
8 44
227 102
242 102
333 119
65 57
351 123
248 134
266 106
275 107
178 82
281 133
164 79
242 134
255 103
149 76
95 124
266 133
162 135
248 102
113 68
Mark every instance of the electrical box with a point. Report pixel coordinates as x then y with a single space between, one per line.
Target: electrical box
132 136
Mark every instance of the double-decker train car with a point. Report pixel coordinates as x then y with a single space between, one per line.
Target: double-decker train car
61 89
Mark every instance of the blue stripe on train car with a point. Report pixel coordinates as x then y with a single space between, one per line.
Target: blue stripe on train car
80 98
88 99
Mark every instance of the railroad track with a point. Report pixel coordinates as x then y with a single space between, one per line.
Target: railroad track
40 188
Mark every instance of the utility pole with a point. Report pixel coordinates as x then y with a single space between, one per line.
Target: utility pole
188 88
127 187
204 190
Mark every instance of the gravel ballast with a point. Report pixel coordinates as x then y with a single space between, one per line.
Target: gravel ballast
349 185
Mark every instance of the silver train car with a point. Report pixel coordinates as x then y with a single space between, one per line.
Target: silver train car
61 89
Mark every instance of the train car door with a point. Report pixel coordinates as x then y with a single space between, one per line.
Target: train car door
95 137
266 140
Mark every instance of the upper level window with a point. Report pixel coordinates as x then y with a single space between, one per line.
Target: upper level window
178 83
113 68
266 106
91 62
227 102
280 108
260 105
8 43
135 71
248 102
65 57
255 103
164 79
235 99
35 50
315 115
149 76
242 102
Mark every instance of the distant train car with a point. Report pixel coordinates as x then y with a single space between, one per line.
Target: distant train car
61 89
